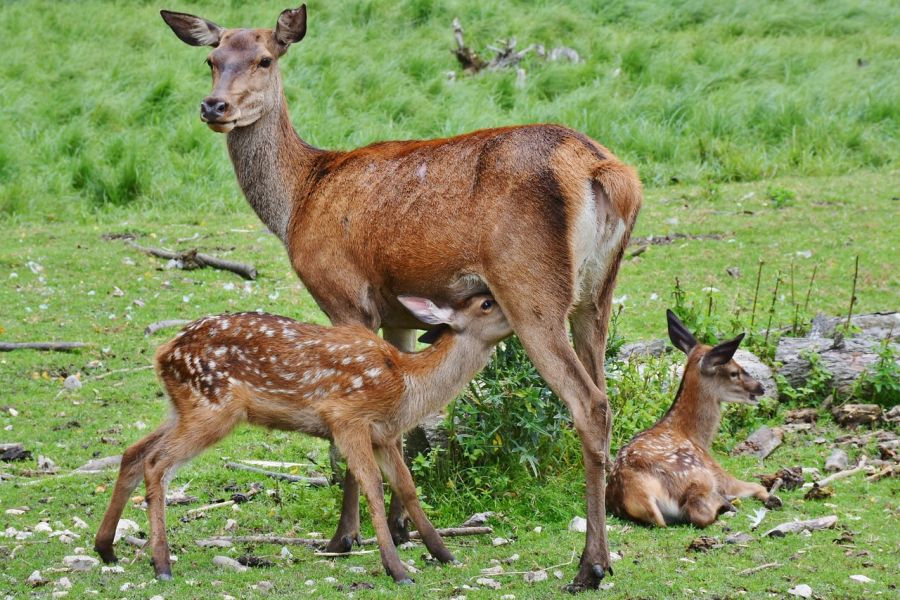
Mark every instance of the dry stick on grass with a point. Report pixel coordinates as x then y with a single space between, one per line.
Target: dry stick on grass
757 568
840 474
313 481
45 346
165 324
195 260
797 526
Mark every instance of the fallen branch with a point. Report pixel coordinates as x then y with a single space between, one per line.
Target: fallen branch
205 507
117 371
798 526
318 543
840 474
313 481
44 346
757 568
154 327
887 471
351 553
196 260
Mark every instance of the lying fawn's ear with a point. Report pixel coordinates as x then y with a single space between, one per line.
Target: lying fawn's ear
720 354
291 27
681 338
192 30
427 311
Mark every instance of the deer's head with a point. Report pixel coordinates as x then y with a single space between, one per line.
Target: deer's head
246 83
720 375
478 317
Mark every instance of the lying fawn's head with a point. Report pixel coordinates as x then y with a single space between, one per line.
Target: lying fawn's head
478 317
244 64
723 378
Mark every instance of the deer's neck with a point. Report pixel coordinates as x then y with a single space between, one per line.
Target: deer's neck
271 163
695 412
437 375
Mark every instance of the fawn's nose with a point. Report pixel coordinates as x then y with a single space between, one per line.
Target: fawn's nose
213 109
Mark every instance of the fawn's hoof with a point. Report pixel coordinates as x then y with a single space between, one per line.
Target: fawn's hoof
773 502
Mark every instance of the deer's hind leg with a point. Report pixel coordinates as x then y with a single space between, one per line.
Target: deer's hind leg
701 503
735 488
131 470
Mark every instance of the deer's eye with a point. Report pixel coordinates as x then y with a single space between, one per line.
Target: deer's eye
265 62
209 63
734 375
487 304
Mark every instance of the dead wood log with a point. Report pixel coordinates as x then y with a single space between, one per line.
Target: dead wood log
851 415
165 324
44 346
219 541
761 443
313 481
798 526
192 259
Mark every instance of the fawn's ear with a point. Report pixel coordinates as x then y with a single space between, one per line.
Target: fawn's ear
291 27
681 338
193 30
720 354
427 311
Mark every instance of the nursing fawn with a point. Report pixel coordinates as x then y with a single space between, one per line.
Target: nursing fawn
666 474
342 383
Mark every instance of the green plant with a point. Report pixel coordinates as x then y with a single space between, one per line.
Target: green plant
780 197
881 382
816 387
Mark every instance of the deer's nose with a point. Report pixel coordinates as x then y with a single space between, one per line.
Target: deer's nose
213 109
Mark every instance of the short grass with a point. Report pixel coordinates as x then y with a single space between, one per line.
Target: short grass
771 124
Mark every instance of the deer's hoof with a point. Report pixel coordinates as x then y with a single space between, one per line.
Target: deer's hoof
107 555
588 578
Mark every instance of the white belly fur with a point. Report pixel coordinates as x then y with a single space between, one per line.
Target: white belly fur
596 236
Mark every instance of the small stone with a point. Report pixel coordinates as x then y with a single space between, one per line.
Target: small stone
492 570
227 597
265 586
802 590
125 527
535 576
355 569
309 582
558 574
285 553
59 594
114 569
837 460
72 383
538 529
43 527
511 559
157 597
508 597
498 541
126 586
226 562
614 556
15 512
330 580
79 524
63 583
488 582
36 579
578 525
862 579
230 525
80 562
477 519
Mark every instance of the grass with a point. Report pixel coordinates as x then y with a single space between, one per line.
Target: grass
748 120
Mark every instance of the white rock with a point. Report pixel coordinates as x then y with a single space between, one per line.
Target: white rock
15 512
228 563
157 597
499 541
72 383
535 576
511 559
558 574
114 569
861 579
126 586
43 527
79 524
538 529
614 556
63 583
309 582
508 597
330 580
59 594
230 525
578 525
35 579
802 590
80 562
492 570
125 527
285 553
355 569
488 582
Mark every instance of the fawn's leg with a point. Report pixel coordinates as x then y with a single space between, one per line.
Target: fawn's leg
700 504
131 470
348 525
356 446
398 521
736 488
391 460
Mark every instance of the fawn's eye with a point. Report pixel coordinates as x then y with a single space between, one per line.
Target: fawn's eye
265 62
734 374
487 304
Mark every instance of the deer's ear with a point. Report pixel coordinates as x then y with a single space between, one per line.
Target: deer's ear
291 27
427 311
192 30
720 354
681 338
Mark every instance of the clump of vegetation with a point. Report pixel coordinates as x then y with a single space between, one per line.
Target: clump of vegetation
780 197
881 382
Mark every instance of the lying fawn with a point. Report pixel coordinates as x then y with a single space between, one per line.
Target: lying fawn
342 383
666 474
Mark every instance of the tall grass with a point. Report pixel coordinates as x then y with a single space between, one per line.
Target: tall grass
100 98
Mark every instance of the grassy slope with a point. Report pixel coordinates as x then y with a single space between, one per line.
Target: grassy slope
89 118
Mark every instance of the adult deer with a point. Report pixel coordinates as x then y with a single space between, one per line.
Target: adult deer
538 215
340 383
667 474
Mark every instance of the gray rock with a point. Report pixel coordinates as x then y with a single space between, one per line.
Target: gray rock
80 562
430 434
227 562
656 347
578 525
837 460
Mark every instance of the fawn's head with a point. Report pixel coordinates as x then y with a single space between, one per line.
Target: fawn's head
720 374
244 63
478 317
